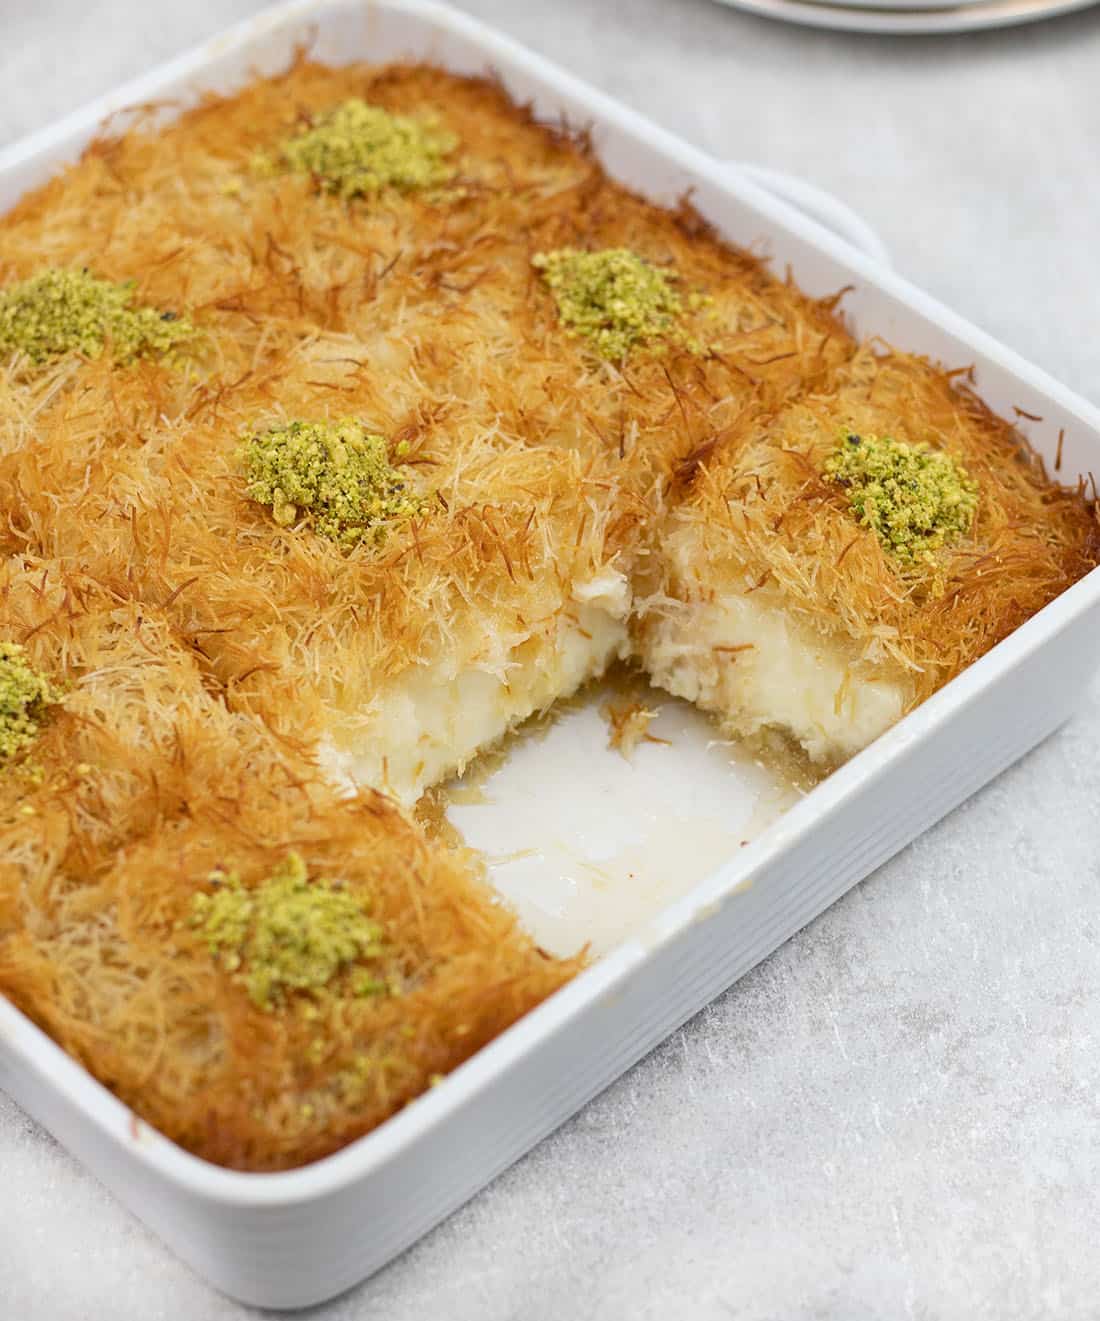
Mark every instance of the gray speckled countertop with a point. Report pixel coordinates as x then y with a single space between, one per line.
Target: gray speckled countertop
898 1114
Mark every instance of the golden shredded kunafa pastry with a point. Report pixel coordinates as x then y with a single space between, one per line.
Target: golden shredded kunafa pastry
345 423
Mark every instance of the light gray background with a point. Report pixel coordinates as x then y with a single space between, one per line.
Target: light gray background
898 1114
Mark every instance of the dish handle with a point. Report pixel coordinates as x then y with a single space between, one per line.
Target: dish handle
818 205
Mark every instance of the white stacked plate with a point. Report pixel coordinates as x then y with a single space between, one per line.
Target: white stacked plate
908 17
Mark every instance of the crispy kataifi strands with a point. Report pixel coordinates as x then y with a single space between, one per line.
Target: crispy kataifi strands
760 522
223 670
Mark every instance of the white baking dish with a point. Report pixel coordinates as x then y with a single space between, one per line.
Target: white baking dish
290 1239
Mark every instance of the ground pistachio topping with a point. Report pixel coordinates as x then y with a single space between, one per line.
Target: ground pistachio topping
60 311
286 934
616 300
914 498
356 149
24 696
335 474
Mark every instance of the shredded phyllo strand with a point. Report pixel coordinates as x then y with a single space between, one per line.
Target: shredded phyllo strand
915 499
357 150
337 475
24 696
628 724
63 311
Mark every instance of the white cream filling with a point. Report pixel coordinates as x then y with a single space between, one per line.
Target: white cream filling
430 722
756 666
736 654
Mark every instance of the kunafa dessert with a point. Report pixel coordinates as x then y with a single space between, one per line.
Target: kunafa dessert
346 423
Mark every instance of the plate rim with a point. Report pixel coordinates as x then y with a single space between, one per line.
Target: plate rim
910 21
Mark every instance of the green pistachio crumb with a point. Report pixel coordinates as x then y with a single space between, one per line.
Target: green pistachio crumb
286 934
915 499
363 986
616 300
357 150
336 475
61 311
24 696
32 773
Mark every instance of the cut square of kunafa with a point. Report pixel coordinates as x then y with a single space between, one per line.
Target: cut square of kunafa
843 556
259 966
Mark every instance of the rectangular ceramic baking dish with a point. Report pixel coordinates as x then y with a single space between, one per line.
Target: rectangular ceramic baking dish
291 1239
